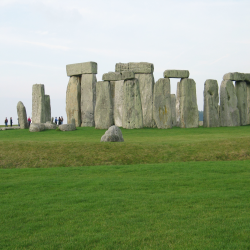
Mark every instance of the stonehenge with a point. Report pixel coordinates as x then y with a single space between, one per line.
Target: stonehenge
173 110
113 134
241 93
22 115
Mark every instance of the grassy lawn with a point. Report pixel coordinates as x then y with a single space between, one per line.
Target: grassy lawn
192 205
21 149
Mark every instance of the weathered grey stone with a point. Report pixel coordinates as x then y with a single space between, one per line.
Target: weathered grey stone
38 103
229 113
132 109
162 103
178 107
118 103
10 128
201 123
52 119
22 115
247 77
211 100
37 127
127 75
73 99
112 76
73 122
103 108
146 84
47 108
88 99
67 127
137 68
241 93
235 76
248 102
172 73
113 134
173 109
49 125
188 104
81 68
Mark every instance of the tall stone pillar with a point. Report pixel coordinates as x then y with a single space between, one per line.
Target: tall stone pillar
22 115
173 109
47 108
162 103
241 93
211 100
178 107
38 104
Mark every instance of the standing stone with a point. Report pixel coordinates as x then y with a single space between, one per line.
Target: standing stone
188 104
178 107
132 109
162 103
241 93
47 108
248 102
22 115
211 100
173 109
88 99
73 100
229 112
103 108
118 103
38 104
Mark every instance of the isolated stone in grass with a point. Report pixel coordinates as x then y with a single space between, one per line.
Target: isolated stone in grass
37 127
22 115
113 134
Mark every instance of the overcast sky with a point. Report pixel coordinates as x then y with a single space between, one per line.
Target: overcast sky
38 38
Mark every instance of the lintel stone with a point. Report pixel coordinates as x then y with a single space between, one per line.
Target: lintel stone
172 73
137 68
81 68
235 76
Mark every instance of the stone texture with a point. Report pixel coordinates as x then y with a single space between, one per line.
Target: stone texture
188 104
81 68
132 109
103 108
178 107
211 101
88 100
49 125
248 102
229 112
137 68
47 108
247 77
38 103
162 103
118 103
235 76
173 110
37 127
241 93
67 127
128 75
22 115
172 73
146 85
113 134
73 100
112 76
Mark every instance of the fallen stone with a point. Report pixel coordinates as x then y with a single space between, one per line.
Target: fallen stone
162 103
235 76
113 134
88 100
37 127
67 127
47 108
229 112
241 93
137 68
103 108
173 110
188 104
81 68
172 73
73 99
22 115
211 101
10 128
49 125
112 76
132 109
118 103
178 107
38 103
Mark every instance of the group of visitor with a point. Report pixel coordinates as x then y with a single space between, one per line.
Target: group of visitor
59 121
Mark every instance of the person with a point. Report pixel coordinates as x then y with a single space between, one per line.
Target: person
61 120
6 122
11 121
29 121
56 120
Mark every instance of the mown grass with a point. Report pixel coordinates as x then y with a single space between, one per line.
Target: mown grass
21 149
192 205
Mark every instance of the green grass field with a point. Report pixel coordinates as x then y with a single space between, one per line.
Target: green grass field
160 189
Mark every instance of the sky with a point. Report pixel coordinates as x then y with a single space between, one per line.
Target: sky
38 38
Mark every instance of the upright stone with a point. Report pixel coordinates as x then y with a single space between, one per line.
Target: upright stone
38 104
211 101
132 109
229 112
22 115
162 104
248 102
88 99
188 104
118 103
173 109
103 108
241 93
73 100
47 108
178 107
